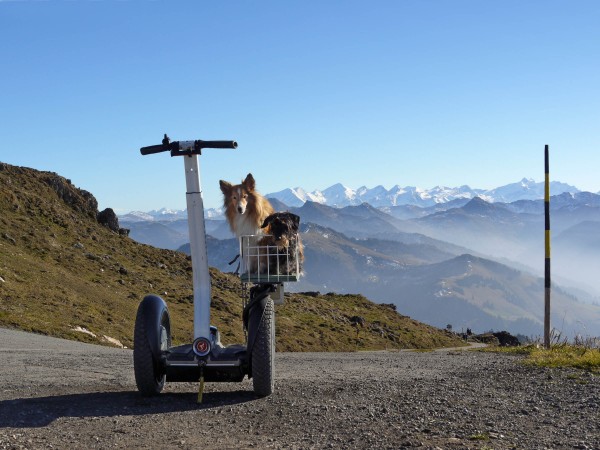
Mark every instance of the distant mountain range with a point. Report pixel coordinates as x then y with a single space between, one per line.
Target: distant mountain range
398 201
473 261
339 195
503 231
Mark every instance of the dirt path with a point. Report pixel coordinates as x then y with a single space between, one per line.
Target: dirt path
62 394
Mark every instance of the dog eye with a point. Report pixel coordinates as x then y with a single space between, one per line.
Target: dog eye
245 195
234 197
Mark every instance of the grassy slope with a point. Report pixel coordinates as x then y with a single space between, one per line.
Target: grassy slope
60 269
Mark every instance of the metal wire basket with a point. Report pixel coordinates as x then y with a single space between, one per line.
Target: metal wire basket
264 262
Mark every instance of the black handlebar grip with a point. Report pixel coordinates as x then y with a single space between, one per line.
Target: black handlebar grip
154 149
217 144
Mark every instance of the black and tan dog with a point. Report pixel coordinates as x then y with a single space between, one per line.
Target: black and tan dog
284 252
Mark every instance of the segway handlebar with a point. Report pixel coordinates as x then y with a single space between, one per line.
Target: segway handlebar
185 147
217 144
154 149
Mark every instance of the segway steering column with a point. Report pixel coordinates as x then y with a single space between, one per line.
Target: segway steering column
195 209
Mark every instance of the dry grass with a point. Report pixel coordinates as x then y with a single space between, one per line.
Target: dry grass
582 353
567 355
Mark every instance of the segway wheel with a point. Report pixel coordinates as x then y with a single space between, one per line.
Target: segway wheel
152 335
263 353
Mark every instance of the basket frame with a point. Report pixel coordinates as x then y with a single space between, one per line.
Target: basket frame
267 263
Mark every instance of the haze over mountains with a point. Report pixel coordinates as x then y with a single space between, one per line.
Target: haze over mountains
459 256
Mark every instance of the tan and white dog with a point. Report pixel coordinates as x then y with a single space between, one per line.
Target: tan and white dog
245 208
246 211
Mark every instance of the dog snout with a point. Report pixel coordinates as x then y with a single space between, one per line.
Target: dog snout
241 206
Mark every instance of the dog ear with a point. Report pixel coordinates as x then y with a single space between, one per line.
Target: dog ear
267 221
249 182
225 186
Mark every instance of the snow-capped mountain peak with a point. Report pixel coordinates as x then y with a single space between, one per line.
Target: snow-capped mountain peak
339 195
291 197
168 214
137 216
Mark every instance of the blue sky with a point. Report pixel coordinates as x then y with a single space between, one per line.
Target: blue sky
401 92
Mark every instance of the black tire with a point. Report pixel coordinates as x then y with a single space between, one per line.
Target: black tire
263 353
150 373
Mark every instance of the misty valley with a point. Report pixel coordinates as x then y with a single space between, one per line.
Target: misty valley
470 262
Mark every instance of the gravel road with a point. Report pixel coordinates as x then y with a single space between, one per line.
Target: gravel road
61 394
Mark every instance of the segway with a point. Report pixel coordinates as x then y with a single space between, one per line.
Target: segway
206 359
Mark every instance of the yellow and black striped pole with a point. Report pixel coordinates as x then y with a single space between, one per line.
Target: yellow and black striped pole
547 282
